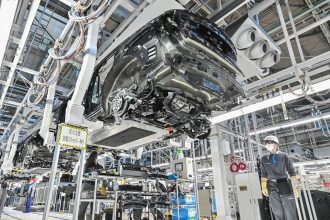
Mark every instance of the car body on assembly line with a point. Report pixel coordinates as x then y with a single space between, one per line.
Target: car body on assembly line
171 73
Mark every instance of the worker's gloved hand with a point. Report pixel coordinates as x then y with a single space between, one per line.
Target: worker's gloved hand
264 189
103 191
296 186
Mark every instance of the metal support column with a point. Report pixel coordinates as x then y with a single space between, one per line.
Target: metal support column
94 199
75 109
195 181
114 210
286 36
309 210
5 155
10 150
13 147
47 117
301 53
79 183
219 174
254 120
51 182
310 197
250 146
239 124
231 138
240 150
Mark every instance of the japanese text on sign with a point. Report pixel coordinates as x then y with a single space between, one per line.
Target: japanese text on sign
73 136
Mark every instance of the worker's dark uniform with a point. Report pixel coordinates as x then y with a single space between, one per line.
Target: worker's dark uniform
3 195
276 167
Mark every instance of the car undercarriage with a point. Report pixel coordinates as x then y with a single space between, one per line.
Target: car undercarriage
172 74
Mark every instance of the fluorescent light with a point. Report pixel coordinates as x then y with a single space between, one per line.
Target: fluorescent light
205 169
317 87
312 162
160 165
290 124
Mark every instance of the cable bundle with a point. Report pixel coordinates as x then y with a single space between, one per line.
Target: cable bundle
305 88
43 80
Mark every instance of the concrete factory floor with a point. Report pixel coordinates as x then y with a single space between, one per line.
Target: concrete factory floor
10 214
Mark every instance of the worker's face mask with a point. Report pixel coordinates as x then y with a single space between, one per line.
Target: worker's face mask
270 148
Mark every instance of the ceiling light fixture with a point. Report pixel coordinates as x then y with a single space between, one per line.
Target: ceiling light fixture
290 124
317 87
205 169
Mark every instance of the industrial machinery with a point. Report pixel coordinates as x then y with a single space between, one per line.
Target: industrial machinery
257 51
183 168
171 73
32 153
248 195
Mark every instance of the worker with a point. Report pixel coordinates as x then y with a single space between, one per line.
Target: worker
30 194
90 166
275 168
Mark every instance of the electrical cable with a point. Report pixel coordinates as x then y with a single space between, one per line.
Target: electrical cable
75 14
55 51
305 88
314 101
42 81
24 60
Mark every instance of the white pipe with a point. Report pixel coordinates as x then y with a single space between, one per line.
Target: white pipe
79 183
47 116
232 11
51 183
300 15
317 87
13 147
302 57
291 123
303 182
20 48
310 197
87 68
286 34
305 29
260 7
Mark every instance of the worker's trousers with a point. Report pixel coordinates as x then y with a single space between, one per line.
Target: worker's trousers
28 204
3 198
283 206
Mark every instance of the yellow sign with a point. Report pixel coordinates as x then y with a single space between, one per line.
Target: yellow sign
243 188
73 136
